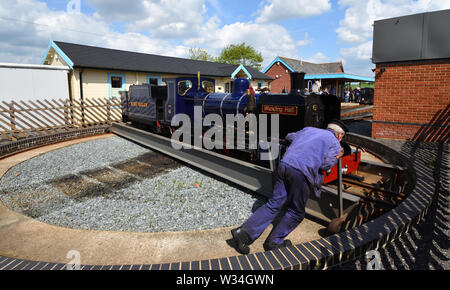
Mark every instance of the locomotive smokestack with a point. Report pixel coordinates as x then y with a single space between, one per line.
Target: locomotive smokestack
297 82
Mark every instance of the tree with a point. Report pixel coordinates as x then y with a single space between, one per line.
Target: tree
200 54
241 54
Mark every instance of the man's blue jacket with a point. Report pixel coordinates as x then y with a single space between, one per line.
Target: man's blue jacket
312 151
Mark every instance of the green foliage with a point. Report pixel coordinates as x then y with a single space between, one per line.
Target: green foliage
361 85
200 54
241 54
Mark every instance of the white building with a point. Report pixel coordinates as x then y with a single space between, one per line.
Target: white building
22 82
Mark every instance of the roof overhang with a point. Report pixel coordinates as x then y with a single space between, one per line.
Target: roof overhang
278 59
341 76
241 68
57 50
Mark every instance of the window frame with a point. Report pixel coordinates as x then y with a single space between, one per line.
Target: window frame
212 85
156 77
114 82
185 92
110 75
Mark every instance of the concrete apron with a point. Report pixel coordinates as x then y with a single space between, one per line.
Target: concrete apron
24 238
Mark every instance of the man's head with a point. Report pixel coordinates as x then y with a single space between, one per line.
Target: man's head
338 128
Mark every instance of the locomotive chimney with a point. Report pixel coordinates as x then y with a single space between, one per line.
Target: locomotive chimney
297 83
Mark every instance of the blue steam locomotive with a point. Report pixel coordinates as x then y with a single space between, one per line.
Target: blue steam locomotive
153 107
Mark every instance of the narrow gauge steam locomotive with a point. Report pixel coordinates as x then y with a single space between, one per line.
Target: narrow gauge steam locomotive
153 107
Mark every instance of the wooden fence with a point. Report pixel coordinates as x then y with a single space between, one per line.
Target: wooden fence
23 119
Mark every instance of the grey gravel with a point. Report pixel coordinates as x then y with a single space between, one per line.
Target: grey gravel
179 199
69 160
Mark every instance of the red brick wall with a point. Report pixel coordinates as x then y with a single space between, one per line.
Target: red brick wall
415 94
282 82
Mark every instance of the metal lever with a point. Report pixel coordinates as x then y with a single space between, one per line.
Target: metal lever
339 189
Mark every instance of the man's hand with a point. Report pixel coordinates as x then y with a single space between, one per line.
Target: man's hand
340 154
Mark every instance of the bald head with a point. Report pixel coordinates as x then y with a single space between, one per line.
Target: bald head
338 131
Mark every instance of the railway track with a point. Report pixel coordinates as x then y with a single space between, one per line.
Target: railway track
357 113
333 204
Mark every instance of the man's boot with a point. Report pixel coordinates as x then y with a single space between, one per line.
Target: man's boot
269 245
242 240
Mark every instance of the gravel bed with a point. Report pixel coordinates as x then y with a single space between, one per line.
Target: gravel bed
70 160
176 199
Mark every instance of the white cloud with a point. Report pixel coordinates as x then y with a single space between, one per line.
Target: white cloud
162 19
360 52
357 59
114 10
24 41
276 10
306 41
356 27
360 15
318 58
269 39
25 38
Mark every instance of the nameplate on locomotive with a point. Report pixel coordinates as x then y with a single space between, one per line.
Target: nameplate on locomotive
138 104
282 110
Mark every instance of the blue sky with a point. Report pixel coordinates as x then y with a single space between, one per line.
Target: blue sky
312 30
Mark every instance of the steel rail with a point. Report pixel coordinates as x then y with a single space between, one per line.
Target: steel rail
356 116
371 187
250 176
352 110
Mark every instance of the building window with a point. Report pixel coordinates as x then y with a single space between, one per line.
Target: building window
116 82
154 80
260 84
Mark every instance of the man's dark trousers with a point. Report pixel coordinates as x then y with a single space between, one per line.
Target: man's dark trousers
290 187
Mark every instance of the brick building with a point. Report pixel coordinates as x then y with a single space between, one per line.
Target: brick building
318 75
412 82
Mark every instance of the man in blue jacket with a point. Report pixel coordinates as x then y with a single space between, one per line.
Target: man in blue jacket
311 152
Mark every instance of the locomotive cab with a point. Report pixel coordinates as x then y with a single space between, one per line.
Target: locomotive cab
299 109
